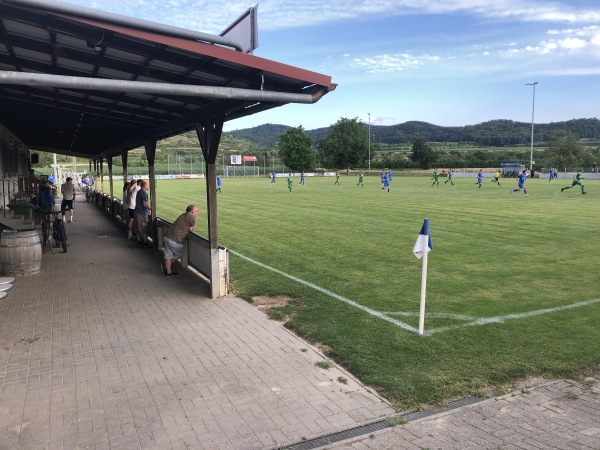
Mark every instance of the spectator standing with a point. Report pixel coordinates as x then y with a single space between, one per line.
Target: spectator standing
173 240
142 215
46 198
68 198
132 190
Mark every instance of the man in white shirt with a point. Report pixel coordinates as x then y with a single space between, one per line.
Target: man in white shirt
68 198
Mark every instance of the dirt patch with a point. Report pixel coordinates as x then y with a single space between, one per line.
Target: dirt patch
265 302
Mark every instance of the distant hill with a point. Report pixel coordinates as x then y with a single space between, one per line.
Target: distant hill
497 133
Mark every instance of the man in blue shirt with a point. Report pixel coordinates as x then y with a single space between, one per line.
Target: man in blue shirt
386 183
273 177
521 180
480 178
46 197
302 179
551 177
219 183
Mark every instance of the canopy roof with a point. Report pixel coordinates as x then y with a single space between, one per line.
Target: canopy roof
62 47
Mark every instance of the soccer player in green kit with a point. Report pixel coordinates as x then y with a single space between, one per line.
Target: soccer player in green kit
435 178
361 179
449 177
576 181
337 177
290 181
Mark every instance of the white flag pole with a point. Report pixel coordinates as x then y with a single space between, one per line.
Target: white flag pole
423 289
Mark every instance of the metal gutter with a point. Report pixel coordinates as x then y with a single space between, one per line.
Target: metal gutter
101 84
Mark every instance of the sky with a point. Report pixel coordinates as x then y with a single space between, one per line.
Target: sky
446 62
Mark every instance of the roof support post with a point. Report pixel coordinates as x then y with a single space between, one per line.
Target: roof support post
150 146
124 154
209 134
101 175
109 162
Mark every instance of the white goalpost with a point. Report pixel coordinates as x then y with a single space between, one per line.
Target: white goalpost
241 171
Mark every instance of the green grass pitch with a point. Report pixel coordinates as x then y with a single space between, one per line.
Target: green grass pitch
498 257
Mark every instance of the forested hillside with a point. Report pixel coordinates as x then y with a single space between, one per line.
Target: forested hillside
496 133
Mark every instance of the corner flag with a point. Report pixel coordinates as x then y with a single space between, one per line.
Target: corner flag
423 244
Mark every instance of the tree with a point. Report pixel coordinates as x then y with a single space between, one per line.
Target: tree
565 151
422 153
296 150
346 144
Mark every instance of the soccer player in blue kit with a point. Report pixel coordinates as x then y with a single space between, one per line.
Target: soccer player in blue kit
521 180
386 183
480 178
302 179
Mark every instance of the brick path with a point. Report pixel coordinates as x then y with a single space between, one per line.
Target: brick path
101 351
557 414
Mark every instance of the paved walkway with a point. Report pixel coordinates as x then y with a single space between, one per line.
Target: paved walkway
554 415
99 350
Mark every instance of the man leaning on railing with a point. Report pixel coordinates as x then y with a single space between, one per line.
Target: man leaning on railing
173 240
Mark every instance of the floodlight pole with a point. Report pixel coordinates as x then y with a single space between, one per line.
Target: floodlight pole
532 123
369 142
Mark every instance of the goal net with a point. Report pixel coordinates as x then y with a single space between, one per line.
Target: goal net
242 171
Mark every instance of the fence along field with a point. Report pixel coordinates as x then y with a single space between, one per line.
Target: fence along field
512 288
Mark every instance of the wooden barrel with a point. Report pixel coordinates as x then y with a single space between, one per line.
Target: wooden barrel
20 252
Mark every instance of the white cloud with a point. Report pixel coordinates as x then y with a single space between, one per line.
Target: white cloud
393 62
573 43
203 15
545 47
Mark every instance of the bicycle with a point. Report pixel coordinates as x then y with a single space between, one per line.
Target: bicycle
53 226
87 193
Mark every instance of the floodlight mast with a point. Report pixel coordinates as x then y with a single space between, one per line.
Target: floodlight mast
532 123
369 142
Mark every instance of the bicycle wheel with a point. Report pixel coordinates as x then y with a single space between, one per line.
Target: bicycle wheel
62 235
45 235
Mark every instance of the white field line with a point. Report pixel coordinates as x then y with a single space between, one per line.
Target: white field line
331 294
500 319
385 315
432 315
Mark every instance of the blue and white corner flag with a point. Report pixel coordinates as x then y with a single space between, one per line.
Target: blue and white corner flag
423 244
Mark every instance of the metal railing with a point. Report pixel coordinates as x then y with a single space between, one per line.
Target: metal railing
197 252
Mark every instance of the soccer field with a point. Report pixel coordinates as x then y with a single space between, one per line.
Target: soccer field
513 287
